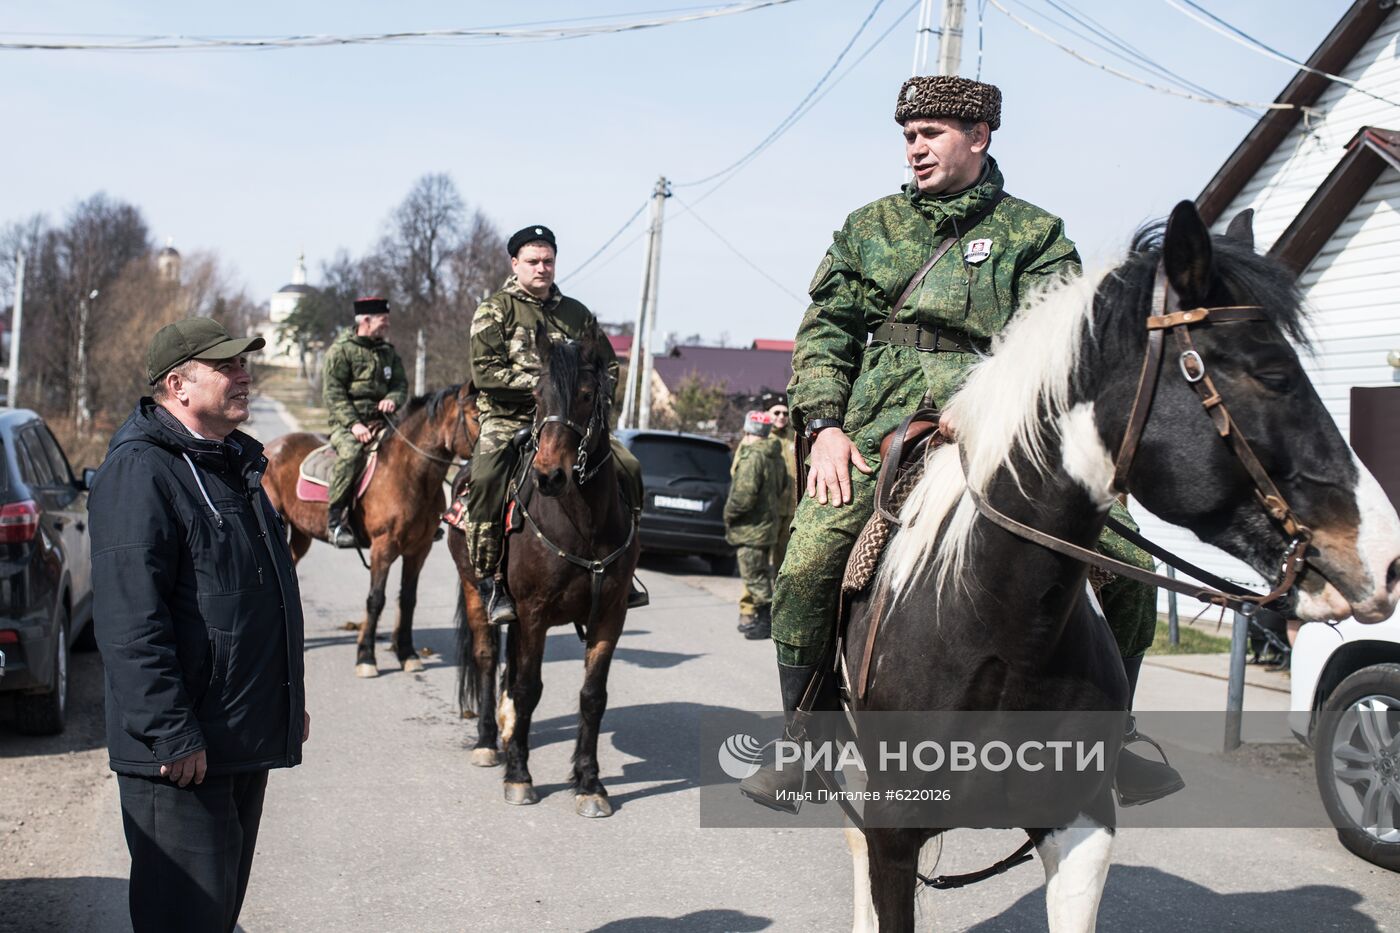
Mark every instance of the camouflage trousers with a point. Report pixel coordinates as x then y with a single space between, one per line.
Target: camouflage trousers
349 460
494 461
757 575
779 549
809 582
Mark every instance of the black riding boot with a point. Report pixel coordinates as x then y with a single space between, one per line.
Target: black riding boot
1141 780
500 608
636 596
338 530
779 790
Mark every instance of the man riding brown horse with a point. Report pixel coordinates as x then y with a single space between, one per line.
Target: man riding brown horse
506 368
363 383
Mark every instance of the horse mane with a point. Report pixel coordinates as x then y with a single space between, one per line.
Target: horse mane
1009 410
568 360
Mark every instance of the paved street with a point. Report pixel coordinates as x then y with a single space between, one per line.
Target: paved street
387 827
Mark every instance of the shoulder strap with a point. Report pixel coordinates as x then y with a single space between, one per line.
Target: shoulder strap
971 221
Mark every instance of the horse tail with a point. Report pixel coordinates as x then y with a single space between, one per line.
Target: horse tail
468 675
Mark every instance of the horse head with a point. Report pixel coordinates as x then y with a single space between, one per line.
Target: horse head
572 401
1221 377
454 417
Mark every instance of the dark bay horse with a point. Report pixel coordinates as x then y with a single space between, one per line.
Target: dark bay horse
1038 424
572 504
399 512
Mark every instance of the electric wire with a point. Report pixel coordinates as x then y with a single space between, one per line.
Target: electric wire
1215 101
695 215
1237 35
541 32
608 242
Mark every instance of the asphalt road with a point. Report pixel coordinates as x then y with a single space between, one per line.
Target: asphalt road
387 827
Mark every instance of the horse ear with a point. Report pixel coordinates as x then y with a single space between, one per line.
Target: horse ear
1242 227
1187 254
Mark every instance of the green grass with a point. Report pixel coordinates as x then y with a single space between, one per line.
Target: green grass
1193 639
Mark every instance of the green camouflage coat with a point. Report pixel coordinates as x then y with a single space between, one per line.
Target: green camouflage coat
758 483
359 373
871 259
506 363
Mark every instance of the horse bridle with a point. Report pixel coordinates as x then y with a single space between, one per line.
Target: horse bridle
460 425
1193 369
587 434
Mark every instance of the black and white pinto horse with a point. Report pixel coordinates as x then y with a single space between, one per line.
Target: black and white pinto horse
976 618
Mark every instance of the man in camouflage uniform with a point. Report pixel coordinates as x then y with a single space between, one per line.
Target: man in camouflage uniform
506 367
752 513
362 383
861 365
787 439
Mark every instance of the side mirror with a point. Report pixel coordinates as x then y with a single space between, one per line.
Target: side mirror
89 474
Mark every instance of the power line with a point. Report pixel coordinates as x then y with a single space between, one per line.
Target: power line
1237 35
737 252
597 252
1219 102
538 32
793 115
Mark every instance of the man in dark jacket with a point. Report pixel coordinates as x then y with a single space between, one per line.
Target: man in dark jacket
198 617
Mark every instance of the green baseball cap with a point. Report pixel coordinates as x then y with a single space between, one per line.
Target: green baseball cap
196 338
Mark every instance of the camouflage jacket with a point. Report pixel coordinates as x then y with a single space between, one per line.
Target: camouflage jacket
758 485
359 373
506 363
787 439
871 259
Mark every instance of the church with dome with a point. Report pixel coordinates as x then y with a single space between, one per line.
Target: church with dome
281 352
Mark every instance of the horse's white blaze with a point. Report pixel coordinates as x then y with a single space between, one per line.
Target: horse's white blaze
1012 401
1084 457
1377 545
863 919
505 716
1076 860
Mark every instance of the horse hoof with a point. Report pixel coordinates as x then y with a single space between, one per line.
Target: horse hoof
412 665
364 669
593 806
521 794
488 758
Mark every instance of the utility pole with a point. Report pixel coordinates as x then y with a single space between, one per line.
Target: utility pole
634 355
950 37
659 196
921 34
420 365
83 414
16 322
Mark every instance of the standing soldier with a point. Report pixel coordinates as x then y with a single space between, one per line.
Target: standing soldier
914 286
757 485
787 505
505 369
362 384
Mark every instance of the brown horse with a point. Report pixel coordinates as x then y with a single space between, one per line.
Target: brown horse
399 512
572 563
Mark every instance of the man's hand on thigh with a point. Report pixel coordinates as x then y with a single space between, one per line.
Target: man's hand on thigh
829 467
190 768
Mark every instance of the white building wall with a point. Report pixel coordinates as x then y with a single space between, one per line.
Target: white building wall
1286 180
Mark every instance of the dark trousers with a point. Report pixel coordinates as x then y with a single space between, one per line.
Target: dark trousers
191 849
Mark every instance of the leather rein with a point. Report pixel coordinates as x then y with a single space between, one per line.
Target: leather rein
1193 370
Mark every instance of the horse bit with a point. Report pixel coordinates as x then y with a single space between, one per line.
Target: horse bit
1193 370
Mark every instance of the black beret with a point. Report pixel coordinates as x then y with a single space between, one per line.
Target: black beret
535 234
371 306
934 96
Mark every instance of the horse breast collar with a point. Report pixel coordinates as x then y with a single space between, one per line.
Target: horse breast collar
1193 370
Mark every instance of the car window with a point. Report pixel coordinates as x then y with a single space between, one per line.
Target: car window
58 463
672 457
33 464
4 467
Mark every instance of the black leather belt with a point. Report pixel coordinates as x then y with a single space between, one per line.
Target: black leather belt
924 339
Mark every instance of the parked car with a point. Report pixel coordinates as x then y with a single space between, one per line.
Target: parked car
687 481
45 576
1346 705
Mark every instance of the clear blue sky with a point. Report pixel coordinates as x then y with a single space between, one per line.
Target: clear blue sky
255 154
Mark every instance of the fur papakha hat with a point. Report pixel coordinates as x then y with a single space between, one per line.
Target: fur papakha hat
933 96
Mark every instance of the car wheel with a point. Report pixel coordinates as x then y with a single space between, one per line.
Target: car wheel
43 713
1358 763
724 565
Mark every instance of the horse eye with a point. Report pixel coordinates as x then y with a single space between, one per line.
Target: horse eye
1275 381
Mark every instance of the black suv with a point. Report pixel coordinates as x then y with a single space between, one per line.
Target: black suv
45 576
687 481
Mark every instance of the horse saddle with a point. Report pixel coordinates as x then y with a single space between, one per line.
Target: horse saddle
902 454
314 476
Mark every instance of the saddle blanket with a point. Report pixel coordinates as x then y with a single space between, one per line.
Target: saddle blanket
314 478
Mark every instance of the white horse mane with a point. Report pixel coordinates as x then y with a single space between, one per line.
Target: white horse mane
1012 401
